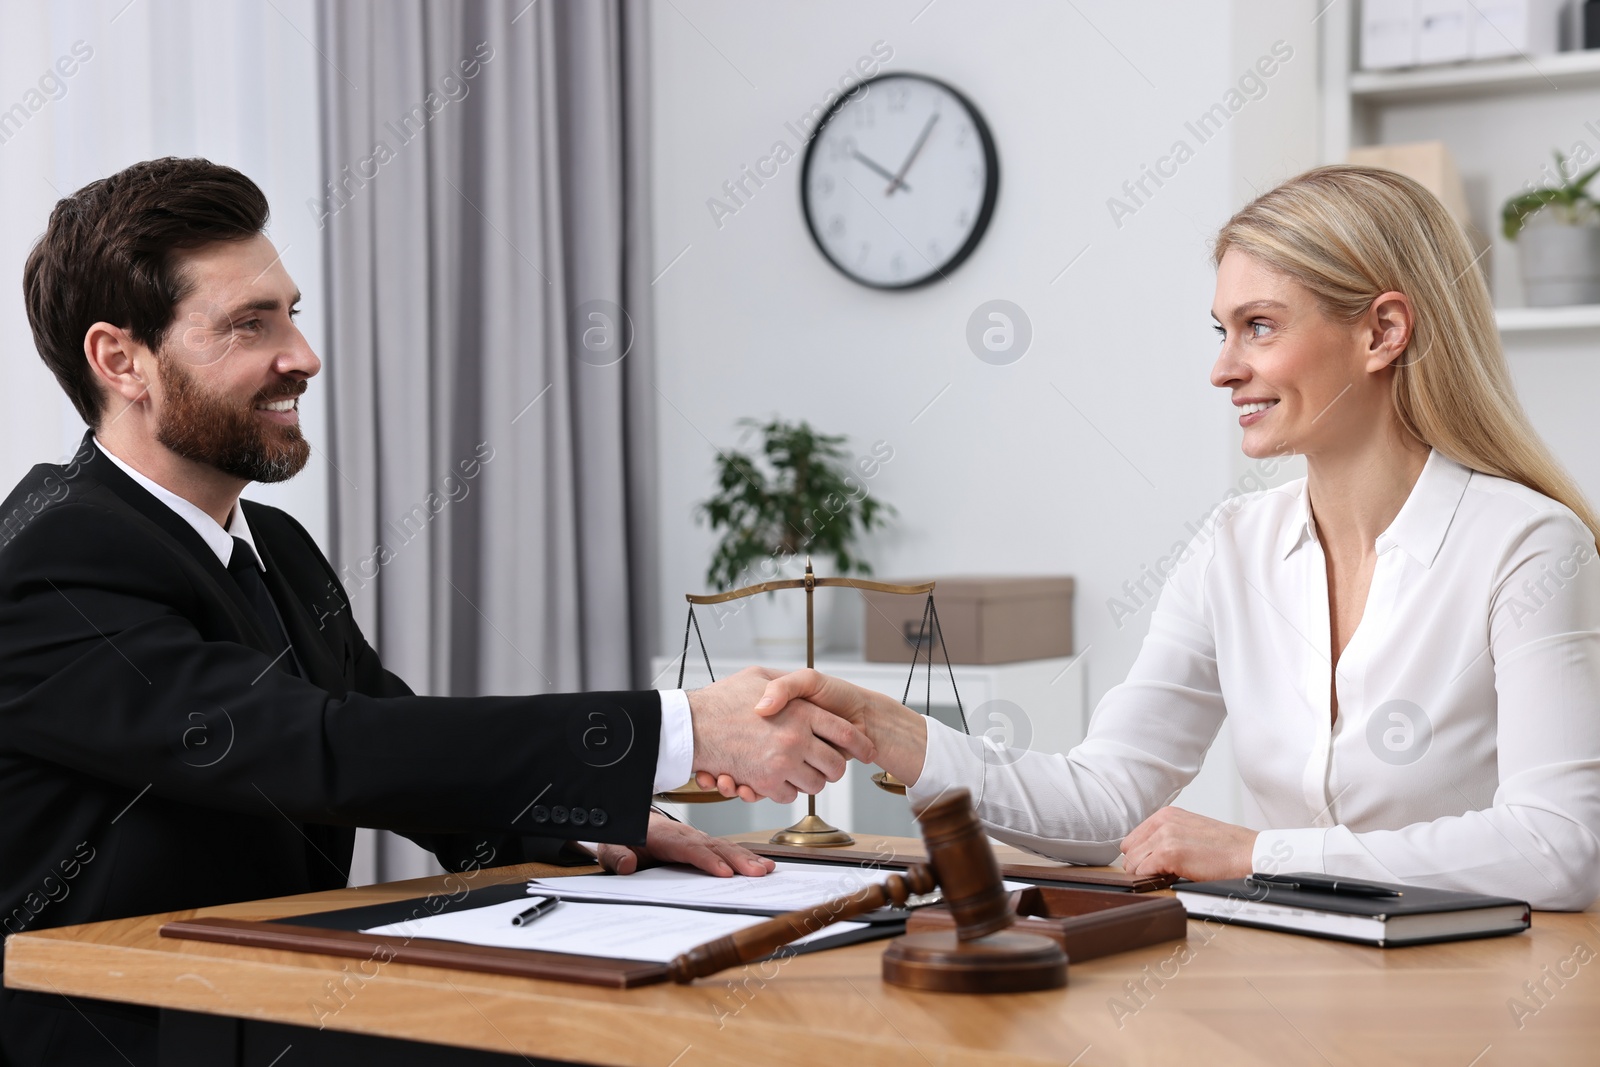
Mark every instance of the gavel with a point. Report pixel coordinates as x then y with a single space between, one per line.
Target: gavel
978 956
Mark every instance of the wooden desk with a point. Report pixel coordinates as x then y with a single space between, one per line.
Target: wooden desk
1228 995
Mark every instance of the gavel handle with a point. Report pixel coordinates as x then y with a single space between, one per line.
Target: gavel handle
754 942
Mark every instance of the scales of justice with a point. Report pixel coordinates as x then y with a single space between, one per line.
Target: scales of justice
812 831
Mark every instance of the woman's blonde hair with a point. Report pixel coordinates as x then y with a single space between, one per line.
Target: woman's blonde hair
1348 233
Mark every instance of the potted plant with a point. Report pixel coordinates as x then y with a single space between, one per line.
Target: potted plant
798 496
1557 229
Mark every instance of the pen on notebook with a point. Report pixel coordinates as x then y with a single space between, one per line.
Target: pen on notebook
1344 887
544 907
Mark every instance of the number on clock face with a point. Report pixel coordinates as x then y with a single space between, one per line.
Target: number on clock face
899 183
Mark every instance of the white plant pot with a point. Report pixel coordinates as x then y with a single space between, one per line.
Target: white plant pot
778 621
840 616
1560 264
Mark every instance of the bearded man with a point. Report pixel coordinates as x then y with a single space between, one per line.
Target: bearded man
183 721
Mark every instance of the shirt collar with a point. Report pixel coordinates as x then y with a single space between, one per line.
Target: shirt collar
1303 528
218 538
1420 526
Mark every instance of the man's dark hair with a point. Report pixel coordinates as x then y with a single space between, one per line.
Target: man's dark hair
107 255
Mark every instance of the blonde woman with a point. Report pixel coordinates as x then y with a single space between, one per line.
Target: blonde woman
1406 641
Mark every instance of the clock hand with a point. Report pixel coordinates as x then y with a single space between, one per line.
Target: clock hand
922 138
875 167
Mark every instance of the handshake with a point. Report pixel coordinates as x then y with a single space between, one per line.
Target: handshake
765 734
761 733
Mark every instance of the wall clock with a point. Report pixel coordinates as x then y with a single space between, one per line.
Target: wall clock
899 181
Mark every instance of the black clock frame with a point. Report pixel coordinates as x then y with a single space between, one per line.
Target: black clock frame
985 211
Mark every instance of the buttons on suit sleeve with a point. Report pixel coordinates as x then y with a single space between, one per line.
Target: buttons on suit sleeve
561 815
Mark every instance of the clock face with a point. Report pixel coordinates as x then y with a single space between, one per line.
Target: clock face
899 183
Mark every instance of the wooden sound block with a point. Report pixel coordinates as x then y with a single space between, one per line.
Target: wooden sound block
1086 923
999 963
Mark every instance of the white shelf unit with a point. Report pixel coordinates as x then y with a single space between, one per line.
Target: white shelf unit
1500 119
1050 694
1548 320
1463 81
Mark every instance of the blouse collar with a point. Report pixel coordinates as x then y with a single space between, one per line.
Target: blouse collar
1418 529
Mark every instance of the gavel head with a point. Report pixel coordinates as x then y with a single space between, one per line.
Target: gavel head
964 864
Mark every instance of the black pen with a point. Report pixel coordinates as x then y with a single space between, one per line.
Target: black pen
544 907
1317 884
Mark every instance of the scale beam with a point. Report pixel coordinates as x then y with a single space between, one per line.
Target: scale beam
807 583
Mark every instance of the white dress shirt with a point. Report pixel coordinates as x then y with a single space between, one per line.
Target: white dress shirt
674 757
218 538
1466 752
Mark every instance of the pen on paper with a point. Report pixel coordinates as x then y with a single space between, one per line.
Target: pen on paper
544 907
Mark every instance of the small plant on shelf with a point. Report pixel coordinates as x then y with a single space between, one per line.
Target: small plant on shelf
1560 256
798 495
1569 202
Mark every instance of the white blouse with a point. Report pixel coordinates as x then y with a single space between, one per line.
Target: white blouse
1466 753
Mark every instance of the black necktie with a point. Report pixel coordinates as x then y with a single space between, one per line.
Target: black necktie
242 565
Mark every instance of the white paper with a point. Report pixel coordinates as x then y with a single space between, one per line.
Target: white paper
790 887
614 931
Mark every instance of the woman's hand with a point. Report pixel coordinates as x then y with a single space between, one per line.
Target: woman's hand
1174 841
667 841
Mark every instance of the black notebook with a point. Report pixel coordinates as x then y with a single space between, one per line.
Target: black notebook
1409 915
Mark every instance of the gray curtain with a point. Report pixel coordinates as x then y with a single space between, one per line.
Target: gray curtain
488 361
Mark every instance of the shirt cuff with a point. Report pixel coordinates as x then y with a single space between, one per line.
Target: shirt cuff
1281 851
675 756
949 762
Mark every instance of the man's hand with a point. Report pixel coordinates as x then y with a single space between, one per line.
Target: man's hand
667 841
1174 841
898 734
788 749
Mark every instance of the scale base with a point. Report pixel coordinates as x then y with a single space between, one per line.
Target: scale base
812 832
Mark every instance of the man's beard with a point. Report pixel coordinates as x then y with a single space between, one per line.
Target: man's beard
232 439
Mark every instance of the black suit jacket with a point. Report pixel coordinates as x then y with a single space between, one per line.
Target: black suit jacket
153 758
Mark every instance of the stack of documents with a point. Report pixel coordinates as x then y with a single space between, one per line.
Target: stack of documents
614 931
790 887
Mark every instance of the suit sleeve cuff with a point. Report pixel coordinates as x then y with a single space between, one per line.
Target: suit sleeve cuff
675 757
1280 851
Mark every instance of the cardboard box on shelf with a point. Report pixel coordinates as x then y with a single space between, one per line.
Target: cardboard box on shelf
991 619
1420 33
1388 34
1504 28
1430 164
1444 31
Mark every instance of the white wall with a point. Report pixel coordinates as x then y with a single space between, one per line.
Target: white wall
1001 474
232 80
